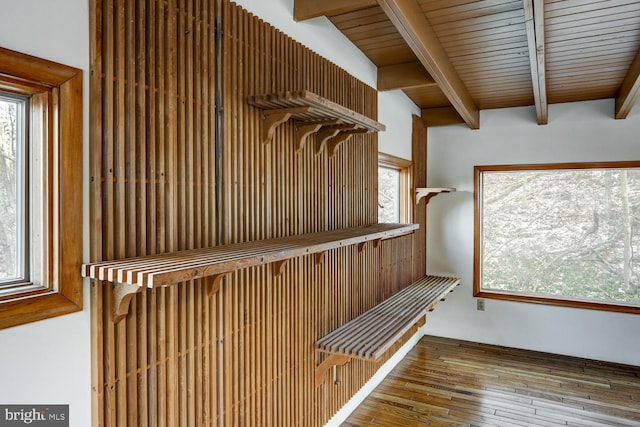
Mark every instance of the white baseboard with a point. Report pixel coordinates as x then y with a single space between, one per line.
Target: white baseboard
377 378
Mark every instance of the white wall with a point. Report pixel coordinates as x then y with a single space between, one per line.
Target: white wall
577 132
395 110
318 34
49 362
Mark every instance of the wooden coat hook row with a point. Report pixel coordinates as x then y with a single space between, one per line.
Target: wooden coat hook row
271 119
342 137
333 132
329 133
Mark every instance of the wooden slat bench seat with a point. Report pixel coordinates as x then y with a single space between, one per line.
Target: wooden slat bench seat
372 333
134 274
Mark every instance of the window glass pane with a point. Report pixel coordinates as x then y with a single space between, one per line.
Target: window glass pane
12 192
388 195
563 233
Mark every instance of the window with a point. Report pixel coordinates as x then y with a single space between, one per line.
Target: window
564 234
13 191
393 189
40 189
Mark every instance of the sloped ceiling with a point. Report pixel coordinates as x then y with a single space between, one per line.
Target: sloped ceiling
456 57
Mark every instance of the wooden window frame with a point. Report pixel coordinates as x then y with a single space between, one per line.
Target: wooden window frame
537 299
22 250
55 121
405 167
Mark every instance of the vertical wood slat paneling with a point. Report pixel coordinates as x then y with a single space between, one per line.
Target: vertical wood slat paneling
95 205
419 178
245 355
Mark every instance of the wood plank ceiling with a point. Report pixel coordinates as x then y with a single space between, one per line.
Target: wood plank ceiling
456 57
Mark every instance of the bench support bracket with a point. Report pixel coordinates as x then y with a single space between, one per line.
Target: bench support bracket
331 361
278 267
213 284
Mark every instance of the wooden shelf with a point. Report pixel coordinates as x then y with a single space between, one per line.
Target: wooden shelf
370 335
332 123
134 274
429 193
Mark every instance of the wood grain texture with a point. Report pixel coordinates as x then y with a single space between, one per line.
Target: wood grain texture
629 90
590 48
450 382
179 165
534 22
307 9
170 268
506 52
420 35
369 335
54 108
403 76
441 116
419 211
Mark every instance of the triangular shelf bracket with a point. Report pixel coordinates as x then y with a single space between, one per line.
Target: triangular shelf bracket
430 192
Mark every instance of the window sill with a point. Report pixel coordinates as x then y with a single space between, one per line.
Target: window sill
572 303
34 307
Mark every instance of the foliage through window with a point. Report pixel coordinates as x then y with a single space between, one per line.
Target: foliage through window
565 234
40 188
388 195
13 190
393 189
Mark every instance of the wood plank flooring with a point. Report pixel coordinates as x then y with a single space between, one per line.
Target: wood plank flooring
445 382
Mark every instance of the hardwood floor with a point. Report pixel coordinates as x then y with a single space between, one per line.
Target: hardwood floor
444 382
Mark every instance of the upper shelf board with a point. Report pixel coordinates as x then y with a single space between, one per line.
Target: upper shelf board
332 123
307 106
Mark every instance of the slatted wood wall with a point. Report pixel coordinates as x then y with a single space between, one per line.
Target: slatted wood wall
419 178
161 180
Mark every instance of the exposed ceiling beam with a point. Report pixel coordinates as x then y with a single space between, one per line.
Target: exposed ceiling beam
441 116
403 76
534 22
410 21
630 89
307 9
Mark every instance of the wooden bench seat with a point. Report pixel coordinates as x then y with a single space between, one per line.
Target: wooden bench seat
372 333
